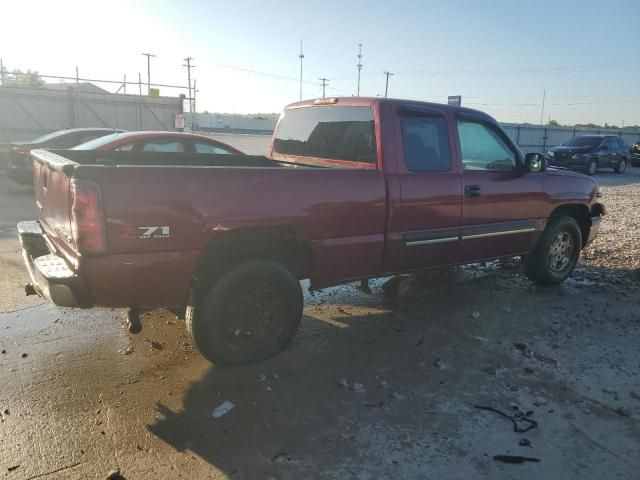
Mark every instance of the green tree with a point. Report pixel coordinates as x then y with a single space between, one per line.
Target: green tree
18 78
553 123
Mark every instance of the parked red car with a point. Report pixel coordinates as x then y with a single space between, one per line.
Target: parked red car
355 188
168 142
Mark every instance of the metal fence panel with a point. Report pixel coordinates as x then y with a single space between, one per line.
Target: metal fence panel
26 113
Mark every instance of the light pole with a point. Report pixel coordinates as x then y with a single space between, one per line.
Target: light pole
148 55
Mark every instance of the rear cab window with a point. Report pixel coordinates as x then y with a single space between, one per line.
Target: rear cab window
339 136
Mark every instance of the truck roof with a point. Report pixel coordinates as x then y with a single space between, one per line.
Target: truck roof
370 101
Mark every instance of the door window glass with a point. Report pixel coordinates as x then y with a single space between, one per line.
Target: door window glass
425 144
163 146
484 149
210 149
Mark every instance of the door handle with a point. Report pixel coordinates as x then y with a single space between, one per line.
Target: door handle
471 191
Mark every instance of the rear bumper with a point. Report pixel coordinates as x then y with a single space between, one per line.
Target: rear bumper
51 276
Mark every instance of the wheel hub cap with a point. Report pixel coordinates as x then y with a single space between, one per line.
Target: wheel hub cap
561 252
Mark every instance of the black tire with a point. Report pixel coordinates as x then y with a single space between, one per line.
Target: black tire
621 166
561 242
250 313
591 168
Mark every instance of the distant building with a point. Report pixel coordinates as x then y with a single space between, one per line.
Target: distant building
82 87
227 122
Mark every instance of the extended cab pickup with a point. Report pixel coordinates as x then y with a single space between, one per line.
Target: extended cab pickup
354 188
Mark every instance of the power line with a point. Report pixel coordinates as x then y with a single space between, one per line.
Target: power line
148 55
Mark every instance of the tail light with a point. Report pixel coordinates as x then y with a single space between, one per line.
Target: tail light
87 217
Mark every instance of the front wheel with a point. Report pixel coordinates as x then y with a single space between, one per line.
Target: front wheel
250 313
621 166
556 253
591 167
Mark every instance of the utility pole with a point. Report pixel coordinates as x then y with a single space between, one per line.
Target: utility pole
189 67
301 57
544 96
324 85
194 121
148 55
1 72
359 66
386 86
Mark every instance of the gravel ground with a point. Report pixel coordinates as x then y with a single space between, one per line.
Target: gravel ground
373 386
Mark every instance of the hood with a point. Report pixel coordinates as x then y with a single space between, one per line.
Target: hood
571 150
569 173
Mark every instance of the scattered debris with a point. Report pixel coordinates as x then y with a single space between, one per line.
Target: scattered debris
5 411
24 355
623 411
278 456
155 345
222 409
419 342
475 314
545 359
518 419
343 383
438 363
275 376
528 370
115 475
262 378
524 442
384 384
4 351
15 467
520 346
358 388
126 351
514 459
540 401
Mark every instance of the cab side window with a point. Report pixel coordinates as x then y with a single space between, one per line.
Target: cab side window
425 143
484 149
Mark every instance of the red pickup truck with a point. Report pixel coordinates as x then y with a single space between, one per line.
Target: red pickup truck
354 188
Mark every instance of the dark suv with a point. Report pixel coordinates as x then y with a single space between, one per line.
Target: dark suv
635 154
588 153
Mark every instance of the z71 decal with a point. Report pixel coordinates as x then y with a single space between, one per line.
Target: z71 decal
143 233
154 232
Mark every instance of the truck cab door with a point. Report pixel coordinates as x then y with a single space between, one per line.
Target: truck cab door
502 203
426 203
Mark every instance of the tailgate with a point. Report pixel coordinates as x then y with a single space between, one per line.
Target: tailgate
52 184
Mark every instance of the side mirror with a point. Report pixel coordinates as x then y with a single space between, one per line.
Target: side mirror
534 162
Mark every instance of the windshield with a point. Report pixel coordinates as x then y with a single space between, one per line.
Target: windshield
98 142
583 141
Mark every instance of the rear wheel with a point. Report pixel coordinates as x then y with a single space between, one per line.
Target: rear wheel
621 166
591 168
556 253
250 313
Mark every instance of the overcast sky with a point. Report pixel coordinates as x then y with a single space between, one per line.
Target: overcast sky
499 55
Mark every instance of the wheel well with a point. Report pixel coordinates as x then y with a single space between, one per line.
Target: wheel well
579 212
236 246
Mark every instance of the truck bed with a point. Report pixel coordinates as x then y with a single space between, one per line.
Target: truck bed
340 213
